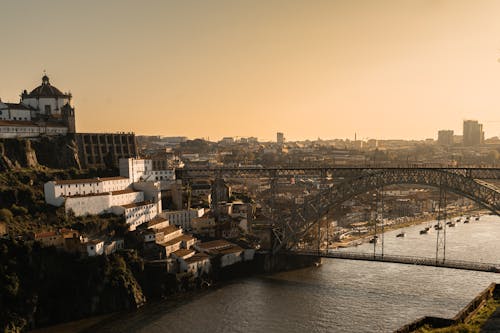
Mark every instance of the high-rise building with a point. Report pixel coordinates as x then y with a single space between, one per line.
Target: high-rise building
280 138
445 137
473 134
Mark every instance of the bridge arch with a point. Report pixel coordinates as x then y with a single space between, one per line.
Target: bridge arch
308 214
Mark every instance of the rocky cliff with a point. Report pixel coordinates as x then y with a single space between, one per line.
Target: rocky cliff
53 152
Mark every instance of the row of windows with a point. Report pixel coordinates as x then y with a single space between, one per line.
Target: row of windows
31 130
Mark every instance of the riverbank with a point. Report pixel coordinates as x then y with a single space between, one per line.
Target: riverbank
355 240
474 317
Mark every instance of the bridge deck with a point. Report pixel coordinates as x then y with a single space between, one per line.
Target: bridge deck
409 260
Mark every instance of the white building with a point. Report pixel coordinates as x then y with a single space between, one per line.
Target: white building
94 247
136 213
138 169
56 190
184 217
14 111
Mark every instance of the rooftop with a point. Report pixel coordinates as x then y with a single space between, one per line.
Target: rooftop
87 180
137 204
155 221
183 252
172 241
28 123
126 191
197 257
218 244
46 90
45 234
168 230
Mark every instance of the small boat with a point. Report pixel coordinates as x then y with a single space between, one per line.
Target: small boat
401 234
425 231
374 240
477 218
438 227
449 222
466 221
458 220
451 225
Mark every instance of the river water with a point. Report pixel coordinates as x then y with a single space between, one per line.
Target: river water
340 295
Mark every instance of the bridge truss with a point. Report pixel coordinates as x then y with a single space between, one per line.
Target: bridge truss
296 219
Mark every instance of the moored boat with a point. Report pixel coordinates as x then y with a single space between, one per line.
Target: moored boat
401 234
425 231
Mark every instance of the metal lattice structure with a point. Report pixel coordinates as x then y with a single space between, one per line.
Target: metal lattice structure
292 225
293 221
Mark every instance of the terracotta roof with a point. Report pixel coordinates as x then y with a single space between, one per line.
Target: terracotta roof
172 241
197 257
156 220
168 230
27 123
94 241
128 190
113 178
216 245
86 180
137 204
183 252
187 237
76 181
232 249
45 234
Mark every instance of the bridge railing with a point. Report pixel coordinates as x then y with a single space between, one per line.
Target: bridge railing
412 260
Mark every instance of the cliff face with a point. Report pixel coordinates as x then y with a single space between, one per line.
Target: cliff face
53 152
41 286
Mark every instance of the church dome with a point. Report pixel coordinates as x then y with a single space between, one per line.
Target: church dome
46 90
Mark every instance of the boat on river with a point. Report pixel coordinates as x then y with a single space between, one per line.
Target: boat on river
477 218
425 231
401 234
451 225
374 240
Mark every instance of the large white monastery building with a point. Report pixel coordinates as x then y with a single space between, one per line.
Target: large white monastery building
135 194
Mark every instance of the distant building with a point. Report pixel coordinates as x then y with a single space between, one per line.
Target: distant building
280 138
473 134
445 137
227 140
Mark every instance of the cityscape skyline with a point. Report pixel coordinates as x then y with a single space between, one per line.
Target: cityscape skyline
322 69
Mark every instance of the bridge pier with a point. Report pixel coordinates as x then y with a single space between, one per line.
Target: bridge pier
280 262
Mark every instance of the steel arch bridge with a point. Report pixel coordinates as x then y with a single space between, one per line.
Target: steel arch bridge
292 225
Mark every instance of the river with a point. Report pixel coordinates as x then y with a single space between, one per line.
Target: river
340 295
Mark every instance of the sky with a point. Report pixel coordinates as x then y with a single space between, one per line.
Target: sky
311 68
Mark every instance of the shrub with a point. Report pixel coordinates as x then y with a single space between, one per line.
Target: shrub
6 215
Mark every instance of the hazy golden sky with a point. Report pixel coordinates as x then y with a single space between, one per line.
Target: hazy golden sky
383 69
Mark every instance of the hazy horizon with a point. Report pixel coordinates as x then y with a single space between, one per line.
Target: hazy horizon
328 69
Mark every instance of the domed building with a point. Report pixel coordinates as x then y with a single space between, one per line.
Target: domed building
46 111
43 111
